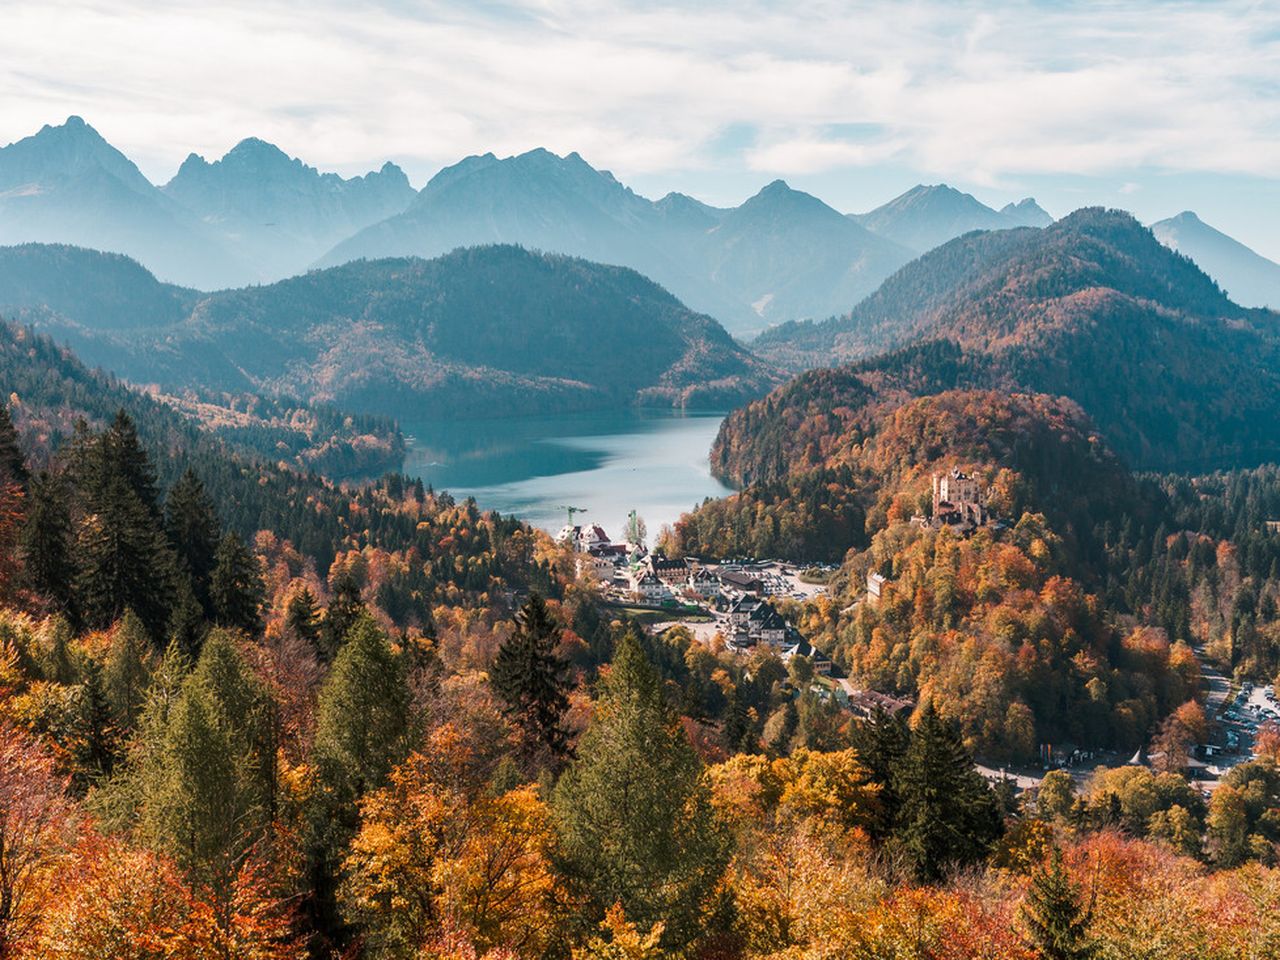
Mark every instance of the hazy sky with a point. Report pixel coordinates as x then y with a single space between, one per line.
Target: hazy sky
1156 106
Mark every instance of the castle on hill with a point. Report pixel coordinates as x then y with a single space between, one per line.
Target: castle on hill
958 502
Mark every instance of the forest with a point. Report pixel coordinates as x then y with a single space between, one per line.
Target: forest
249 713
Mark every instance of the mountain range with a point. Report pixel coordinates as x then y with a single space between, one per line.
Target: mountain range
257 215
487 331
1094 308
279 212
780 254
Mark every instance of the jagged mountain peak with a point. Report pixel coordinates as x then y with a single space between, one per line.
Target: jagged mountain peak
1027 213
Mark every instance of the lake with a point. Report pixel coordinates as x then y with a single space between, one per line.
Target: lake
610 462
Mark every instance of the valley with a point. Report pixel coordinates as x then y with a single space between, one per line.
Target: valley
520 568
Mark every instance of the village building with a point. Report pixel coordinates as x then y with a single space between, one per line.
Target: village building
740 612
742 581
867 703
797 646
649 587
875 586
702 582
670 571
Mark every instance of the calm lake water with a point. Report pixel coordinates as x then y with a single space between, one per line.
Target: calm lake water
610 462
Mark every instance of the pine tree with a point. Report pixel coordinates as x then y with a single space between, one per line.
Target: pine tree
192 526
208 790
882 741
46 543
947 817
531 679
126 672
235 587
125 561
1054 915
121 455
634 812
362 732
13 466
345 610
93 735
302 616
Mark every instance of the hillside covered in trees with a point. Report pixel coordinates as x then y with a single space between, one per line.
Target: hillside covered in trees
253 755
480 332
1175 375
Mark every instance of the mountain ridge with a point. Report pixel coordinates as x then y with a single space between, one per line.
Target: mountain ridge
1093 308
485 331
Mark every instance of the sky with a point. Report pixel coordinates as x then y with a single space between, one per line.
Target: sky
1155 107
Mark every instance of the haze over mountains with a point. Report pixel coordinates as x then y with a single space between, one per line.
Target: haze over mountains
1249 278
488 331
257 215
280 212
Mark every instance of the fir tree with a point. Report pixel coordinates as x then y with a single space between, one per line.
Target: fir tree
634 812
345 609
235 587
186 626
1054 914
121 456
125 561
13 466
882 741
362 732
947 816
531 679
302 616
126 672
93 736
192 526
46 543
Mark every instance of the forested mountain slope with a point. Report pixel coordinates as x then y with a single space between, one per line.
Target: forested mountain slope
480 332
1173 373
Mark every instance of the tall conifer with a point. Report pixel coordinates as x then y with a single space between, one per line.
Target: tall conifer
532 681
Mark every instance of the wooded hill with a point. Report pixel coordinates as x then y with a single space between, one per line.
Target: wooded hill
480 332
1173 373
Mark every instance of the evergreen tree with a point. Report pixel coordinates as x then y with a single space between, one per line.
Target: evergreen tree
737 732
1054 915
362 732
345 609
634 812
302 616
46 543
126 672
125 561
187 626
947 816
531 679
192 526
121 456
13 466
93 734
235 587
208 791
882 741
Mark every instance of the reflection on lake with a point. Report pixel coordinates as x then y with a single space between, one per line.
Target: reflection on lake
610 462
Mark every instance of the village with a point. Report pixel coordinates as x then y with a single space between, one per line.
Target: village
733 606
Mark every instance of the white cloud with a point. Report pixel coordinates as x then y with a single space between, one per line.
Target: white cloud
980 92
